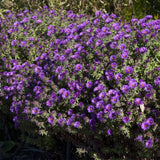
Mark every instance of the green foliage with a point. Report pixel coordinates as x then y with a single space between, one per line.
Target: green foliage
127 9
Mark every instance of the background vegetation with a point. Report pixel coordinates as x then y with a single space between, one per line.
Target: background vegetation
124 8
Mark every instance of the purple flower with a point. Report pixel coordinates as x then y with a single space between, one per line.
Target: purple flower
109 75
142 84
109 132
125 88
76 124
113 45
90 109
66 94
108 107
138 101
38 69
150 121
114 65
62 90
49 33
80 104
128 70
39 21
143 50
112 92
72 101
78 67
126 119
92 122
51 119
114 99
148 87
122 47
157 81
112 115
102 95
69 121
148 95
124 54
23 43
133 83
98 13
35 110
13 43
16 24
99 104
89 84
99 42
139 138
112 58
96 21
145 125
49 103
118 76
149 143
70 112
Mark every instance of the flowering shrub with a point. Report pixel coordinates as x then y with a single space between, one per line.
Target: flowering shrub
83 75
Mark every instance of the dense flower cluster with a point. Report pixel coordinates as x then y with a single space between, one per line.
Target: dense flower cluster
77 72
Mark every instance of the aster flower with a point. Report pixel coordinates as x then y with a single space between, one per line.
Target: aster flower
114 99
124 54
39 21
14 42
148 88
112 92
51 120
149 143
112 58
112 115
35 110
142 84
150 121
125 119
133 83
89 84
139 138
70 112
109 132
69 121
78 67
98 13
138 101
102 95
62 90
108 107
145 125
66 94
99 104
118 76
49 103
114 65
128 70
23 43
109 75
90 109
122 47
92 122
125 88
143 50
113 45
72 101
76 124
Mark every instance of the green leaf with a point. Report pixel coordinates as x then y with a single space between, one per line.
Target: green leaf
8 146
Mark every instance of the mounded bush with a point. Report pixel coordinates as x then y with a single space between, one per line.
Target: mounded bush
91 80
